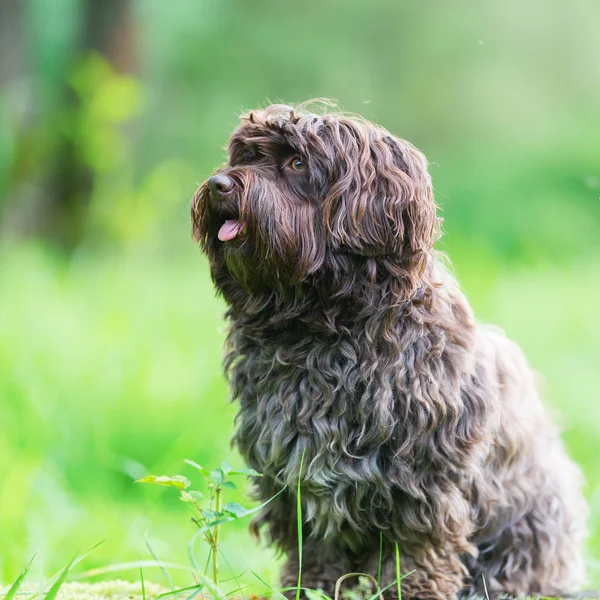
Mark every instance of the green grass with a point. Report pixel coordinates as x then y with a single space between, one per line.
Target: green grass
108 590
110 369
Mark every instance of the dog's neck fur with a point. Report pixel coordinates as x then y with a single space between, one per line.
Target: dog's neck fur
371 296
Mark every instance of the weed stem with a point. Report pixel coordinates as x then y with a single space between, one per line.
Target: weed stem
215 544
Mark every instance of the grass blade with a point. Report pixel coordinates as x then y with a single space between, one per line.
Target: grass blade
53 591
322 594
299 515
86 554
215 590
210 550
279 595
41 582
56 578
74 563
143 586
117 567
485 587
398 572
179 591
14 588
164 570
191 555
197 591
387 587
380 558
251 511
235 578
238 589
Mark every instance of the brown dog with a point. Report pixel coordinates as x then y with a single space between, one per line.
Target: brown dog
351 345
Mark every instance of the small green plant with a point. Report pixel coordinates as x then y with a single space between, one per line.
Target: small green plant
54 584
208 512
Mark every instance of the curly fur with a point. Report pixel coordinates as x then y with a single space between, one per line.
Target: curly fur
350 342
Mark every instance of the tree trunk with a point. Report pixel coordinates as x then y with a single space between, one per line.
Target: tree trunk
51 198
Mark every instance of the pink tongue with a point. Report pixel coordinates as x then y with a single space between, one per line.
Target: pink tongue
230 229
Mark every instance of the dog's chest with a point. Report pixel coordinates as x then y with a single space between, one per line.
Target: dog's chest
331 410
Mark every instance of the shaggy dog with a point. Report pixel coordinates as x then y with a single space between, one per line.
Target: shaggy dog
351 347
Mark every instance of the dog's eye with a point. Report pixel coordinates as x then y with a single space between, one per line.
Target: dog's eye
297 164
250 154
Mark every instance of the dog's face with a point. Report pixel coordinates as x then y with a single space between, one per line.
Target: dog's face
304 196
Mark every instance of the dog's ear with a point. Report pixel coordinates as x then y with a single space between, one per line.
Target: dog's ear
381 200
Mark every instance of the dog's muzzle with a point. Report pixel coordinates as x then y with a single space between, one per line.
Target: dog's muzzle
221 189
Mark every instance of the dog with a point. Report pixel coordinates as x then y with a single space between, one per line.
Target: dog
362 375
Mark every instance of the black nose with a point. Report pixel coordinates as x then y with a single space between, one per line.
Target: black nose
220 185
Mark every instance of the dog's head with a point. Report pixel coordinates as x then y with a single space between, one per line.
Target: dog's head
304 196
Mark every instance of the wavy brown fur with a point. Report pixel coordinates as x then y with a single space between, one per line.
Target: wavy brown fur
351 343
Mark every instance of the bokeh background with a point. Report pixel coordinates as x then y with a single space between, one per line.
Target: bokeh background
112 111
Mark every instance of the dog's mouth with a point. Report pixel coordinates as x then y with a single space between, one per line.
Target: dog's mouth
231 229
229 222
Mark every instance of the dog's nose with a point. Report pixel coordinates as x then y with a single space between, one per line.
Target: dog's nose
220 185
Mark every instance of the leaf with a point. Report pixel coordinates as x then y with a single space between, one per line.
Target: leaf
177 481
14 588
217 476
211 524
226 468
196 466
185 497
211 514
251 472
221 518
235 508
229 485
192 496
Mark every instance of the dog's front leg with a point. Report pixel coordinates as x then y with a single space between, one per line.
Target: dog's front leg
433 574
322 565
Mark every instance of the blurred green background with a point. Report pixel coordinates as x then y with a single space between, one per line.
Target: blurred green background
112 111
